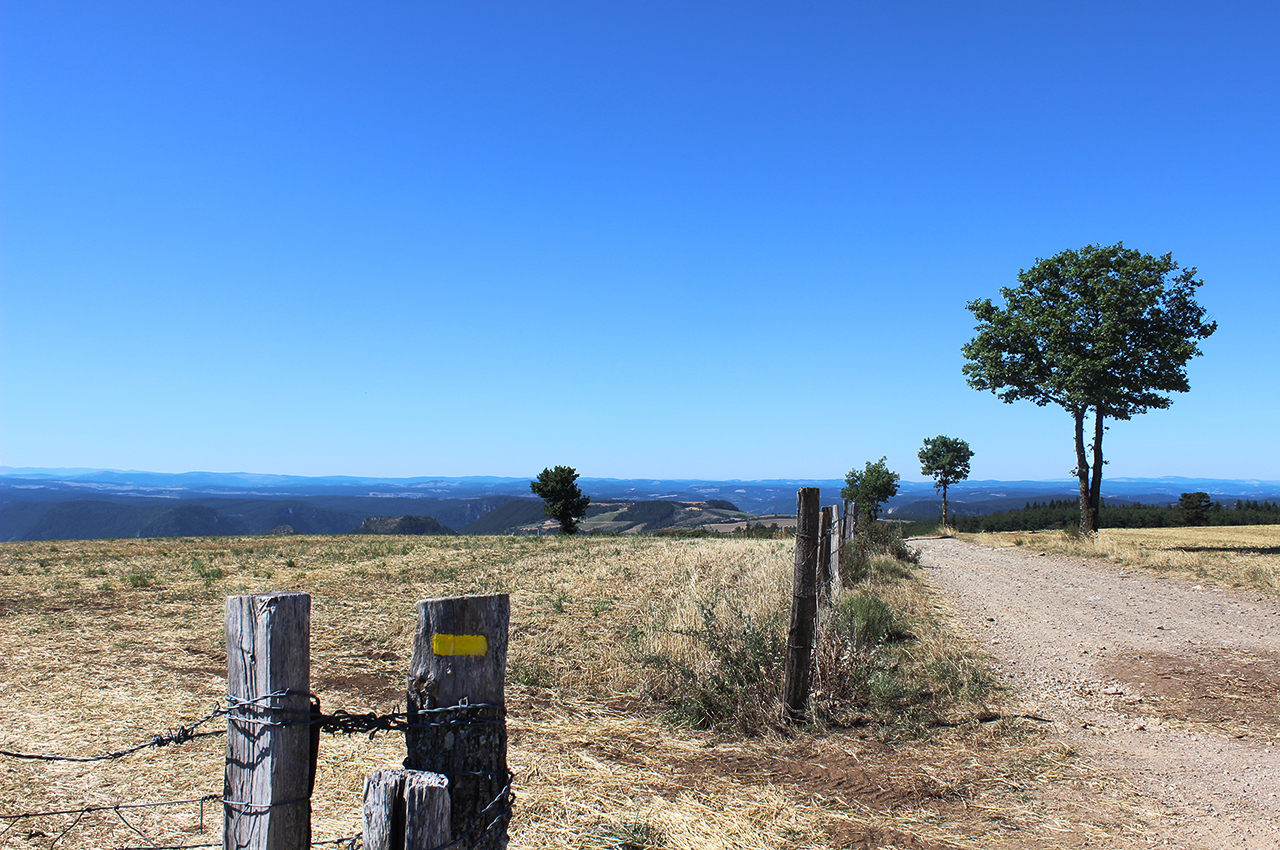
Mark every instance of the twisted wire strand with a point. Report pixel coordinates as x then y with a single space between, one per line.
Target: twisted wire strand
113 806
180 735
339 722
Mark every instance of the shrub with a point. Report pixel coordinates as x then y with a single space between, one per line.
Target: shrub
862 621
737 686
877 550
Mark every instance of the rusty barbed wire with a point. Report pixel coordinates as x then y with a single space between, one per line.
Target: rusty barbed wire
342 722
259 711
179 735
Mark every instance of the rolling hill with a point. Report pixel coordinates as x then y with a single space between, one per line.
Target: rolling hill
49 504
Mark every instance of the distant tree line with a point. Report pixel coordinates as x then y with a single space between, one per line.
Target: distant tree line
1192 509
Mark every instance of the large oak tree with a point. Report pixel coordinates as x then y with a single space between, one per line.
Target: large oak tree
1105 331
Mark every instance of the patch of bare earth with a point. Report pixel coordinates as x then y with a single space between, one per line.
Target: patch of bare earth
1168 686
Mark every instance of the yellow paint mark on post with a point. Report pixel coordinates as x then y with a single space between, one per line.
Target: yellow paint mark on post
459 644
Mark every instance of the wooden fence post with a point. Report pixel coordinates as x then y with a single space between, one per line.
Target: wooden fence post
267 784
457 711
804 605
825 580
837 541
405 810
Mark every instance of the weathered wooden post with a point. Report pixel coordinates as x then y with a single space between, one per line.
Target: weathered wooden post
804 605
405 810
457 711
837 581
267 784
825 579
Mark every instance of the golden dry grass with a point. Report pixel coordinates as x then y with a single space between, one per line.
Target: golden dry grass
1228 556
103 643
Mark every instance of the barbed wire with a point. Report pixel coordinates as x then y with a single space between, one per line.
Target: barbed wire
179 735
107 807
112 807
501 805
259 711
504 802
339 722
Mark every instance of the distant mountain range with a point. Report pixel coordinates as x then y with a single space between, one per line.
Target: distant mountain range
67 504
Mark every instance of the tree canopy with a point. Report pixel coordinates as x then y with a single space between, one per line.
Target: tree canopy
1107 330
870 487
564 502
946 461
1194 507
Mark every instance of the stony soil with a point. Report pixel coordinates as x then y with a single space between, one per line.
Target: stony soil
1171 687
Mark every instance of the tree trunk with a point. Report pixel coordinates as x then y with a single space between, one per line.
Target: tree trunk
1088 517
944 504
1095 487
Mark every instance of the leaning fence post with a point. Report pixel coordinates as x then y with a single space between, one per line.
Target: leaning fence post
804 605
267 783
457 711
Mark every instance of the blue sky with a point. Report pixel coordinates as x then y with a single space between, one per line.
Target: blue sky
711 240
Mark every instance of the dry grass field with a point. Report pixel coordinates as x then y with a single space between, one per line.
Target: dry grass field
1228 556
104 643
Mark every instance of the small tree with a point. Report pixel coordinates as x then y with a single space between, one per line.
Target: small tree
558 488
870 487
1194 507
946 461
1106 331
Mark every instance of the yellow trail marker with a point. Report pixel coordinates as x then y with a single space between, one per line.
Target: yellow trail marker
459 644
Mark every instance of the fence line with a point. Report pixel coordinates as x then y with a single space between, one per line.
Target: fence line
480 781
340 722
816 580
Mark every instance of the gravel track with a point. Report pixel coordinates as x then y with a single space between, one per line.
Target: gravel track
1167 685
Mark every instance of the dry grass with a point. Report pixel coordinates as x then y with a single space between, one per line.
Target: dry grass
103 643
1227 556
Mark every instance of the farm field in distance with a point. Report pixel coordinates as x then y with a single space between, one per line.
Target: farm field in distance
105 643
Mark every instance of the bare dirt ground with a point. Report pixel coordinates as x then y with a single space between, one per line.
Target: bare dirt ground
1168 686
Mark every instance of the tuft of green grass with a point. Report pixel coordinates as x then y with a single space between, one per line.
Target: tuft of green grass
209 573
865 621
138 579
531 673
629 835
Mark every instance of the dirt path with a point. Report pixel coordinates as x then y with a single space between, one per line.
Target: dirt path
1171 686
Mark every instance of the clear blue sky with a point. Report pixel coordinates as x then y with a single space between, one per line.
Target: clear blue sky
712 240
